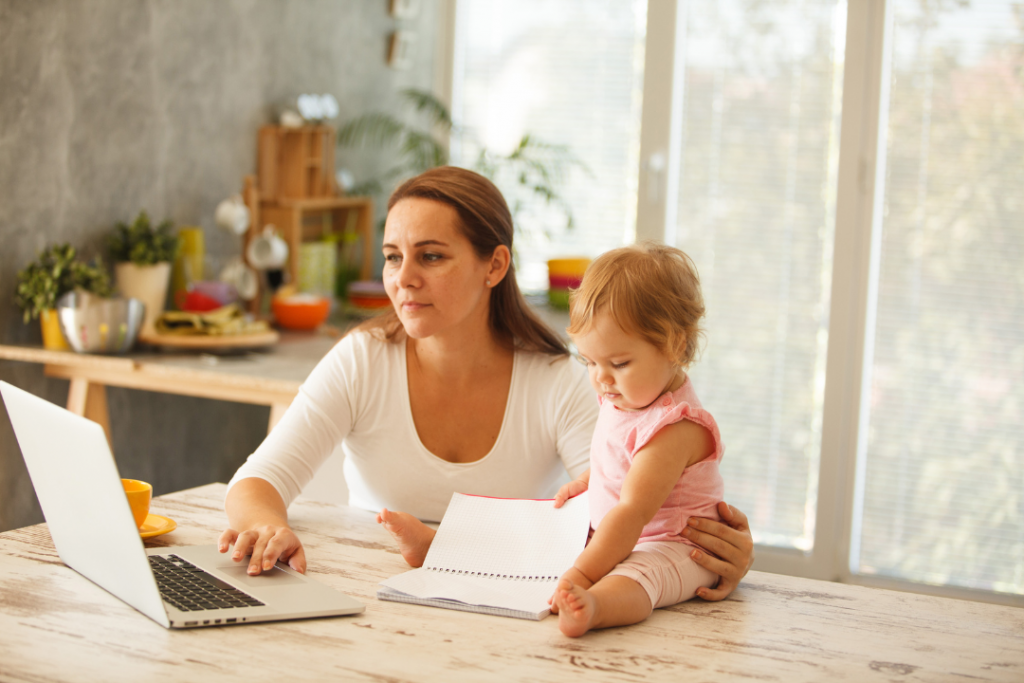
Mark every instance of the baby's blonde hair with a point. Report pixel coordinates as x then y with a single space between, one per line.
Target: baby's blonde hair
650 290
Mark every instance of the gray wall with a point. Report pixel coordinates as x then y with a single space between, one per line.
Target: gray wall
110 107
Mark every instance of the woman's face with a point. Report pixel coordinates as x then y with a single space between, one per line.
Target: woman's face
434 278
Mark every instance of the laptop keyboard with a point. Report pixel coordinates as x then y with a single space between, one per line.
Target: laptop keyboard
190 589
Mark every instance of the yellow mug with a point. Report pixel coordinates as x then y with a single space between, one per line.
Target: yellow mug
139 494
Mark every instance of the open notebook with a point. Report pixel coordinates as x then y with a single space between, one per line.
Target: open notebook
500 556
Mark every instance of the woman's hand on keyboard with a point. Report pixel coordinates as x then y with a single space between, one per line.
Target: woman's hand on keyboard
255 507
265 544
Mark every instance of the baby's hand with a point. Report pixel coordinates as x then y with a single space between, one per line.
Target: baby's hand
573 488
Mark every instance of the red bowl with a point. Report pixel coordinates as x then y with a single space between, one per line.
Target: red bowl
302 312
565 281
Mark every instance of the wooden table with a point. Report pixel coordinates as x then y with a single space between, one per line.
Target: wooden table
56 625
268 377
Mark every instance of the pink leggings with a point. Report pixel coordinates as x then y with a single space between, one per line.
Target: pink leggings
665 570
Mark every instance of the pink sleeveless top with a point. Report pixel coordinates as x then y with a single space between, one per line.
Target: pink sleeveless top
618 437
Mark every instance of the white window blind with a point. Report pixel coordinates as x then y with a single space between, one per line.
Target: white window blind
568 73
760 116
943 490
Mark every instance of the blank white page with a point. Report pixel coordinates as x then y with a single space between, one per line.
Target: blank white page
509 536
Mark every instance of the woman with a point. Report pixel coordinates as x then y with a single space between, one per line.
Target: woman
458 388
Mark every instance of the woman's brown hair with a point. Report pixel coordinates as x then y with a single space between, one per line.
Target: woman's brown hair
486 222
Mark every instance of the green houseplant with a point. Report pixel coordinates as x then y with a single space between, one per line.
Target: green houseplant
142 255
533 170
55 272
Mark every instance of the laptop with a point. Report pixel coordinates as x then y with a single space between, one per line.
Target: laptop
80 492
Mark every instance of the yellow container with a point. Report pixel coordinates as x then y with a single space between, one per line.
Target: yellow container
53 338
564 275
568 266
188 267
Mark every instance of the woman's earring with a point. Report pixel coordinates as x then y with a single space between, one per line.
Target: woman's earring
488 283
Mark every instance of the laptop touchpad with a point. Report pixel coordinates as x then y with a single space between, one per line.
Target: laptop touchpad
274 577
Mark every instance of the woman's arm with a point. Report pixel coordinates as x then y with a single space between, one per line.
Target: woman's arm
732 543
260 492
574 408
256 507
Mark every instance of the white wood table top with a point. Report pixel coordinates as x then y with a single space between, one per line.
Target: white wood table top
57 626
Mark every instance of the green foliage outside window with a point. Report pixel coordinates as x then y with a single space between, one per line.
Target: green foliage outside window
532 171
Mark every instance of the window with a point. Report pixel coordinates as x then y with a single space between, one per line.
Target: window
847 176
943 459
568 73
755 210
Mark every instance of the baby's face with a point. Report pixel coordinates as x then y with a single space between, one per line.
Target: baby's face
625 369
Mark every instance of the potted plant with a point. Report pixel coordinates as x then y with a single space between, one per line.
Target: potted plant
533 171
55 272
142 256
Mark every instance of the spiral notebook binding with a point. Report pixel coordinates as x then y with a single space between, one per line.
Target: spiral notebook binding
512 577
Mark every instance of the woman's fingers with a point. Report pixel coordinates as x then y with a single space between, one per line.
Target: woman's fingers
243 544
728 572
715 594
258 550
731 542
227 538
734 517
281 546
265 546
297 560
712 543
736 546
730 576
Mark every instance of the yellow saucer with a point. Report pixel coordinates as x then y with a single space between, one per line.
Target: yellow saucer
155 525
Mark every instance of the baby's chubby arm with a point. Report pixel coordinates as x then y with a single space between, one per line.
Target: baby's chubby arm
655 470
573 488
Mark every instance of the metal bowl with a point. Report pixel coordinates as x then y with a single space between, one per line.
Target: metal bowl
92 324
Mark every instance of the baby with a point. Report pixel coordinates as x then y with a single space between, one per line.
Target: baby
655 454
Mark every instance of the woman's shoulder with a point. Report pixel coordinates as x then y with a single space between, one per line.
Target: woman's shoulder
552 375
546 366
365 345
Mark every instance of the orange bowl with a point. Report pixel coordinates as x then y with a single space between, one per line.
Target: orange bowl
300 312
369 302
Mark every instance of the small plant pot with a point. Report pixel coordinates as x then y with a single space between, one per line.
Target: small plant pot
53 338
149 285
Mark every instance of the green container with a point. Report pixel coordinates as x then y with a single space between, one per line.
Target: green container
559 298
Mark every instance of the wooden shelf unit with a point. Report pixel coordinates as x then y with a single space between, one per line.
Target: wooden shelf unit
302 220
295 191
296 163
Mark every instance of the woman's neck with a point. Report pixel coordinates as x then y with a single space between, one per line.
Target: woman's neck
459 357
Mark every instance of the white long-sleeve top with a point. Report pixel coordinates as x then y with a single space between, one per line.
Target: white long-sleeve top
358 396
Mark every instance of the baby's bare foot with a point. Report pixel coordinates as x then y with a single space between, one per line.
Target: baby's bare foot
577 609
413 536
